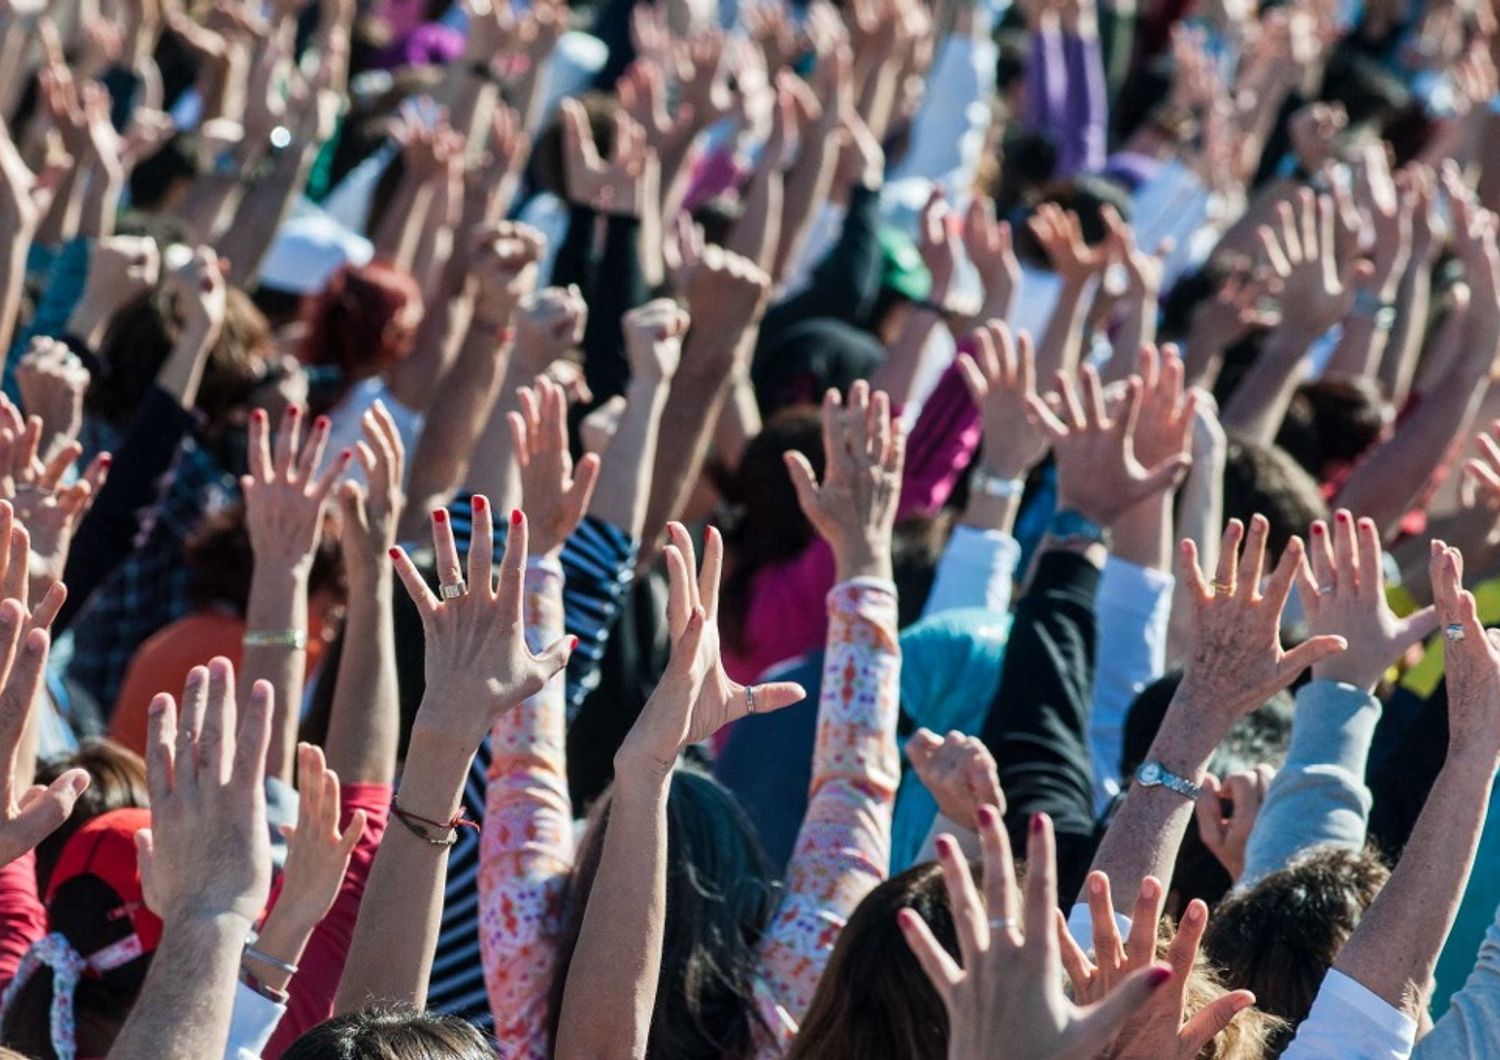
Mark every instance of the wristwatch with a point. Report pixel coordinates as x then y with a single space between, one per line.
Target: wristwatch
1069 524
1156 775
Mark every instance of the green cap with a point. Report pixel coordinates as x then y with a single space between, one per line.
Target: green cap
901 267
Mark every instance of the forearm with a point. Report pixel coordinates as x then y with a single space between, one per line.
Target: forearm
96 214
185 1002
739 422
807 187
1258 407
364 724
624 482
897 374
278 605
757 233
687 424
182 372
262 211
466 397
401 228
1395 949
1060 344
1360 349
612 980
1136 329
1143 535
390 959
1399 364
12 277
1201 519
283 937
14 44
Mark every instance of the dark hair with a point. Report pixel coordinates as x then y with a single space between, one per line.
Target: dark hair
140 338
220 561
153 182
545 171
391 1032
873 998
768 525
117 781
1265 480
1281 936
1085 196
1332 422
720 897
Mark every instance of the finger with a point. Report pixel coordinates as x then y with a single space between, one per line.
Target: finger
311 456
708 577
16 583
58 466
1209 813
1279 585
973 378
260 446
1109 950
287 438
481 545
47 611
416 587
936 962
1345 551
161 737
1102 1021
1093 398
1075 418
1192 572
585 478
1140 947
684 543
47 812
220 717
1309 653
354 831
1041 884
1417 627
1320 556
999 872
1371 565
1212 1020
804 482
969 922
773 696
920 748
1229 545
332 473
1074 961
190 723
445 549
253 738
510 596
1252 558
833 428
1182 954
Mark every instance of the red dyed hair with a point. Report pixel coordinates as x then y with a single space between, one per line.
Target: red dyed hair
363 321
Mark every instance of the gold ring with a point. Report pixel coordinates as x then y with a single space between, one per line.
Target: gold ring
1223 588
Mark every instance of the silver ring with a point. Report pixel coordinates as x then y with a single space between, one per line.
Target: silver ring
453 590
1326 590
1001 923
1454 632
750 698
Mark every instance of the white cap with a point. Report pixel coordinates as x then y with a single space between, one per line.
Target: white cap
309 248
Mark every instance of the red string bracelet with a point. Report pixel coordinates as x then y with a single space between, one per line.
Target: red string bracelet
457 821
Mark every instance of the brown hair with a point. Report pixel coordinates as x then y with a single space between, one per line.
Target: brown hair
1280 937
391 1032
117 781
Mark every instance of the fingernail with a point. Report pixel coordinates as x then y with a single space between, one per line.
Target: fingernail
1194 913
1317 529
944 846
572 644
346 456
479 503
1148 888
1157 976
259 415
1341 516
292 412
985 815
321 423
395 553
515 517
1036 824
79 783
105 460
439 516
1096 883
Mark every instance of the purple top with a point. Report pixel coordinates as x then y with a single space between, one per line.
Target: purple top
1065 98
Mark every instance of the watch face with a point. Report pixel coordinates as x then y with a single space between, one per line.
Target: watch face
1150 773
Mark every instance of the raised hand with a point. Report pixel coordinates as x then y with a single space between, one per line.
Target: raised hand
1001 377
1061 235
1236 661
285 495
53 381
503 259
26 817
988 243
49 510
653 339
724 291
371 512
1226 812
938 245
556 494
1143 269
477 663
551 322
120 269
854 508
1164 424
207 853
626 183
703 77
1316 292
318 851
1159 1029
960 773
1343 593
695 698
1471 658
1009 988
1098 472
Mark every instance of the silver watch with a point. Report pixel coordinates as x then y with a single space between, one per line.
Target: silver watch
1156 775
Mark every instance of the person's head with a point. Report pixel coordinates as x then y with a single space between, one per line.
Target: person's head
1280 937
805 360
219 563
873 998
140 338
159 182
117 781
363 321
1265 480
99 944
720 897
1085 196
1332 422
391 1032
767 525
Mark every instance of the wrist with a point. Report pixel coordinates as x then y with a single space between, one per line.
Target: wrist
437 760
642 773
863 559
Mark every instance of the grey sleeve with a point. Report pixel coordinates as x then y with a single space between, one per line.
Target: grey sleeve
1319 797
1471 1026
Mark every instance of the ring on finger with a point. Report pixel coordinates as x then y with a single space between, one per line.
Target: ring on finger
1454 632
1002 923
453 590
1223 588
750 698
1326 590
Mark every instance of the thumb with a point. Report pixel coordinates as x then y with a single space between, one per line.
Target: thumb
1417 627
556 655
1208 812
1213 1018
1166 474
804 481
1313 650
45 812
1102 1020
776 695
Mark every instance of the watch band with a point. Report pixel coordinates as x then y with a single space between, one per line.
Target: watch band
1156 775
1069 524
993 485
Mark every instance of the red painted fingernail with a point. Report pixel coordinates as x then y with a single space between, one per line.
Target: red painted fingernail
1036 824
259 415
321 423
985 815
346 456
1342 516
105 460
292 412
395 553
572 643
440 515
478 503
1317 529
515 517
1157 976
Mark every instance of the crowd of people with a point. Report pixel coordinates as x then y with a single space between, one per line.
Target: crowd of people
885 530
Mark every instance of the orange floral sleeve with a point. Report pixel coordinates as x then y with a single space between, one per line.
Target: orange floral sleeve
843 848
526 848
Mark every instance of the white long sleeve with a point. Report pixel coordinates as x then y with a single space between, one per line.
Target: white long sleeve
1350 1022
977 569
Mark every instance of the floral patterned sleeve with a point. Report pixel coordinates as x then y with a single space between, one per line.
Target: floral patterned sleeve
843 848
526 849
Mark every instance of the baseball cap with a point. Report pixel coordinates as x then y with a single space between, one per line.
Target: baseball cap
95 898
